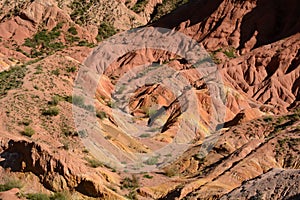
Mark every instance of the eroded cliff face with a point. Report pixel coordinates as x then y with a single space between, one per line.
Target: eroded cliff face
57 171
244 25
263 35
256 47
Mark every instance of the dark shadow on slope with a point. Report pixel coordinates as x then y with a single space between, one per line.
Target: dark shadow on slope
195 11
273 20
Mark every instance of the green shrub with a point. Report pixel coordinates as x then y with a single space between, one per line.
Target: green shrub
130 182
41 196
148 176
11 79
67 131
108 137
101 114
10 184
94 163
132 195
55 100
39 69
68 99
52 111
105 30
152 161
60 196
230 53
72 30
85 43
37 196
78 101
85 151
88 108
166 7
45 42
150 112
170 171
71 39
144 135
26 122
71 69
28 131
80 10
55 72
139 6
111 104
268 119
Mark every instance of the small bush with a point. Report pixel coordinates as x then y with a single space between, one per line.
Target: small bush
132 195
54 101
39 69
78 101
28 131
111 104
60 196
94 163
11 79
144 135
37 196
88 108
148 176
170 171
150 112
72 30
71 69
105 31
230 53
68 99
268 119
10 184
26 122
85 151
139 6
151 161
45 42
67 131
85 43
55 72
101 114
130 182
166 7
66 144
52 111
71 39
108 137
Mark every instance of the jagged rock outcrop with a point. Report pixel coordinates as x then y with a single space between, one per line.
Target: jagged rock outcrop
56 172
268 69
275 184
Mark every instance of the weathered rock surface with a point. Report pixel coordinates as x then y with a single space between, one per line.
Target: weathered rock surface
56 172
275 184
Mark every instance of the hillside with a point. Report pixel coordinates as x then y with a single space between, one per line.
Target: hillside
239 140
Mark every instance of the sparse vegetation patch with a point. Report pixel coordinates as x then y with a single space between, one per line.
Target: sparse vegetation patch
105 30
28 131
10 184
166 7
45 42
52 111
139 6
11 79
